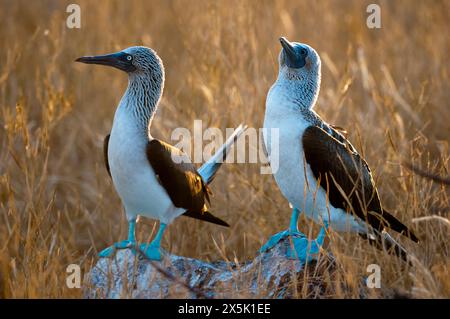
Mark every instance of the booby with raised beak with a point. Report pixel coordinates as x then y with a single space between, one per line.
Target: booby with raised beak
319 171
153 179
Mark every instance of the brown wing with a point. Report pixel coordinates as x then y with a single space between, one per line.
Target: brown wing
105 153
180 179
348 179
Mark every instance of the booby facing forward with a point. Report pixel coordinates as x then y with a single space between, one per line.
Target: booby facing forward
153 179
319 171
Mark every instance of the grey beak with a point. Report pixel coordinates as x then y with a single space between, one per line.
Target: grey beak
294 59
116 60
287 46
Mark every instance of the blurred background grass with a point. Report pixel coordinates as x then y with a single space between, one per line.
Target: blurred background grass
388 87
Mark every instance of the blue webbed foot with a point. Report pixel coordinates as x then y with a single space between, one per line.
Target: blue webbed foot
302 248
275 239
305 250
292 231
151 251
108 252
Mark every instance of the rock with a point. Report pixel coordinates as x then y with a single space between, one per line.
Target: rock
269 275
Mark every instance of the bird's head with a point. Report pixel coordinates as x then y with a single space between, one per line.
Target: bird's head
299 65
136 60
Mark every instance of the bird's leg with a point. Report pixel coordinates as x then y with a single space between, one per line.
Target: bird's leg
293 227
305 250
128 243
153 250
132 231
292 231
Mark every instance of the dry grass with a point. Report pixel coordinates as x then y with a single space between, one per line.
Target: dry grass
387 87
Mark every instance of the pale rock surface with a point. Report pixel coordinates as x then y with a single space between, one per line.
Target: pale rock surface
269 275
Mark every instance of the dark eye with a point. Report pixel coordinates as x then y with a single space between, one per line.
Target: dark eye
129 57
303 52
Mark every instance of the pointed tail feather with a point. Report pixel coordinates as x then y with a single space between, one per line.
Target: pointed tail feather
208 170
207 217
398 226
384 241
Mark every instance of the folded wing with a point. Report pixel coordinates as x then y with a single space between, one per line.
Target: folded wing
180 179
348 180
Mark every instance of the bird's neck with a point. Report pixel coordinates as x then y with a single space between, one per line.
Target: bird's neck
141 100
301 93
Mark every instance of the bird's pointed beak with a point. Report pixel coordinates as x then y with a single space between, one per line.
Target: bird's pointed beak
293 58
117 60
288 47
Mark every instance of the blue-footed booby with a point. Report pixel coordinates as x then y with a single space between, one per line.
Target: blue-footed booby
153 179
319 171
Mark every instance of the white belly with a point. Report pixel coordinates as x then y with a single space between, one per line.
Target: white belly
295 177
133 176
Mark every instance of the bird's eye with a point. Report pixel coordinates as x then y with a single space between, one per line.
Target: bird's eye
129 57
303 52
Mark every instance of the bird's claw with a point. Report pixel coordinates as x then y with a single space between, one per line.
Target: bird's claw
302 248
306 250
275 239
108 252
152 252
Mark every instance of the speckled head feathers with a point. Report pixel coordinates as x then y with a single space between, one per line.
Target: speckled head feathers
145 60
299 72
298 60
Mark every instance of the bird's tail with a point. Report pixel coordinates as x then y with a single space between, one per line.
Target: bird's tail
207 217
384 241
398 226
208 170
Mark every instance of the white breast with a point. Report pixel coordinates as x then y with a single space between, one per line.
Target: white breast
133 177
293 176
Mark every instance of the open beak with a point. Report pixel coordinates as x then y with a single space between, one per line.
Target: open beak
116 60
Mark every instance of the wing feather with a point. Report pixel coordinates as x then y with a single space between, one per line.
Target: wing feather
180 179
348 179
